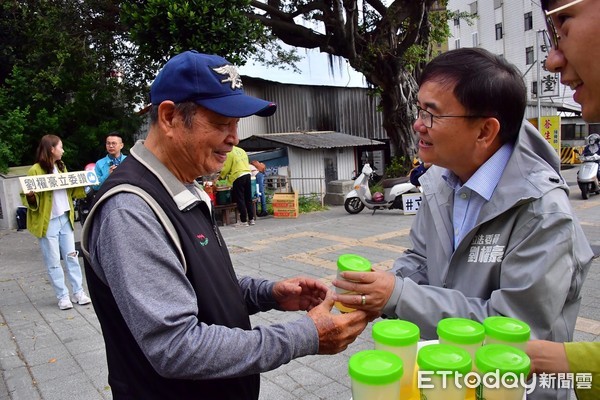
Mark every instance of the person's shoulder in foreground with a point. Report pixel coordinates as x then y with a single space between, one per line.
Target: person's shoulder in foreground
174 315
582 359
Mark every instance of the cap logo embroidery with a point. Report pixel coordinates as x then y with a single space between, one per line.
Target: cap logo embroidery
232 74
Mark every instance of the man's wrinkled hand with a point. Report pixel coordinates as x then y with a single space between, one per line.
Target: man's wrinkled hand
299 294
337 331
376 286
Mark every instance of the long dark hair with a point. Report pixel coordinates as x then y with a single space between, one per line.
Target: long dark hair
43 155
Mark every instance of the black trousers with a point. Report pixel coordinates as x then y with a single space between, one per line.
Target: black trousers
242 195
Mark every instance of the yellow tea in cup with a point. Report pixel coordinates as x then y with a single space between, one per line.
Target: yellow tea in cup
375 375
353 263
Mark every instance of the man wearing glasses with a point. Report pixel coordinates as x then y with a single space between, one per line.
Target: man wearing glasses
575 38
495 234
575 33
106 165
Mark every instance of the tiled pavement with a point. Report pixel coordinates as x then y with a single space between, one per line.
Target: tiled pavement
50 354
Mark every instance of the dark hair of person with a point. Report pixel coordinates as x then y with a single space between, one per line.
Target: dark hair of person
114 133
43 155
485 84
545 4
187 110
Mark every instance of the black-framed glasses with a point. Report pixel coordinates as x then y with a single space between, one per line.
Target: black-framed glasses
551 27
427 118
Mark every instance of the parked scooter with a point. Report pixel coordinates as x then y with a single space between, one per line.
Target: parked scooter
360 197
587 176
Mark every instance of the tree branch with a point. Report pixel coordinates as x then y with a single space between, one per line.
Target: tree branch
273 10
291 33
377 6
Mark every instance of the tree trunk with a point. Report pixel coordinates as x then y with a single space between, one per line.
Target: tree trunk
397 100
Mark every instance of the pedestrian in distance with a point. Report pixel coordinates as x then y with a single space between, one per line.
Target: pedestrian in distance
237 172
261 169
173 312
494 203
114 157
575 38
50 218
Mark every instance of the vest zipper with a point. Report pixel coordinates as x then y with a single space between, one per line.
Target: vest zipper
215 229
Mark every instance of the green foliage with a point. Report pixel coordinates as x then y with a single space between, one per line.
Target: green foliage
80 69
310 203
12 126
58 65
163 28
376 187
399 166
270 53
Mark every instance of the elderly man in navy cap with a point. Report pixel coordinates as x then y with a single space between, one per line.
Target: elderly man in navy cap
174 315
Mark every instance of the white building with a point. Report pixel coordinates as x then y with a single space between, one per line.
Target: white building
514 29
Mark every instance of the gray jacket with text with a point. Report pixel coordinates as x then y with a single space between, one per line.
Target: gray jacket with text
526 257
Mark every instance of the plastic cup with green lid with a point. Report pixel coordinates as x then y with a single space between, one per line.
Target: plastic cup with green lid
506 330
375 375
503 371
399 337
442 369
352 263
463 333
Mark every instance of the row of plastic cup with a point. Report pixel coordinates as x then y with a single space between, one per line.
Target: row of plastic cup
453 368
378 374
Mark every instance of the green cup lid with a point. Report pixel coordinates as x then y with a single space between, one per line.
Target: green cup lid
461 330
375 367
503 358
506 329
396 332
354 263
444 358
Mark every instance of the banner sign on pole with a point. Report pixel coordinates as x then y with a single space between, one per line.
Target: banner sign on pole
42 183
550 130
547 81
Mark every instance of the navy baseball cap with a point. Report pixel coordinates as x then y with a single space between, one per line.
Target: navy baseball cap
209 81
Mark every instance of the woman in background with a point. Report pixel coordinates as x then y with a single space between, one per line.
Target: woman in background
50 218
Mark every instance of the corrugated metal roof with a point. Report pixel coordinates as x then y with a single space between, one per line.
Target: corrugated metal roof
305 140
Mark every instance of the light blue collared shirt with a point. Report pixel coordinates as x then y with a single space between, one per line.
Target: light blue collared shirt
471 196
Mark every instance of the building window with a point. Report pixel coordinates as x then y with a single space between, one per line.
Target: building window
529 55
499 31
592 128
457 43
473 7
528 21
580 130
456 21
475 38
567 131
497 4
534 88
